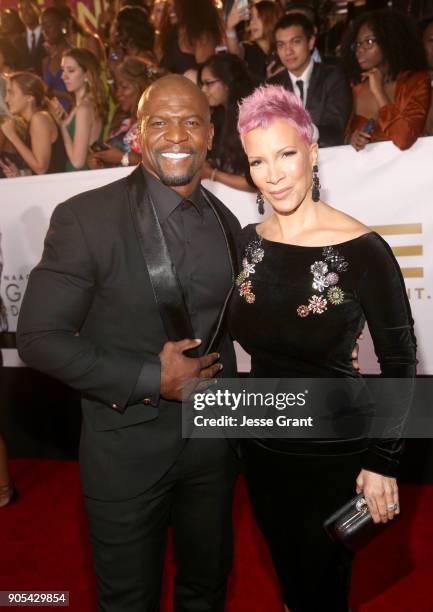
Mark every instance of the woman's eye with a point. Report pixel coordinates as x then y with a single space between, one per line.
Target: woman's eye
289 153
255 162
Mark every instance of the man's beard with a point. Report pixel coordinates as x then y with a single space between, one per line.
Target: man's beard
177 180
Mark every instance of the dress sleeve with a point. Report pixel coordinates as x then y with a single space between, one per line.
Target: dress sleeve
384 301
403 120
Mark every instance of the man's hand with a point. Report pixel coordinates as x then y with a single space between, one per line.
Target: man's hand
177 369
381 495
93 162
111 155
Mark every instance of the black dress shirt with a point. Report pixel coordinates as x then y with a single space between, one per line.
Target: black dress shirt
199 253
198 250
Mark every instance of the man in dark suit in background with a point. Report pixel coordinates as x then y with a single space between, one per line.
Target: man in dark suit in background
132 273
30 45
323 89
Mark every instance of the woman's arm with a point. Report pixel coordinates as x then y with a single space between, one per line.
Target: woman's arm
93 43
403 120
3 141
59 93
39 155
77 149
114 155
233 18
235 181
204 47
383 298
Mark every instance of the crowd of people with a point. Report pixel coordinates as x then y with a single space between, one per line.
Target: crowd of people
278 88
68 96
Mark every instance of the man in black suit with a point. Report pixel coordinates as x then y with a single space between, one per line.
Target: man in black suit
132 273
30 45
323 89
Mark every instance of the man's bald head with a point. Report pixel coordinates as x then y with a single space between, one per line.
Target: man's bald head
172 85
175 132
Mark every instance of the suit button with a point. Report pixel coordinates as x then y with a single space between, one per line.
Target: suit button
147 401
115 406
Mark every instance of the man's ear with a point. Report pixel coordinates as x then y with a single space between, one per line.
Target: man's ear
312 42
211 133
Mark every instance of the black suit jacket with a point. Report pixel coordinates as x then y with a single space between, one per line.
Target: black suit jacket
93 281
27 61
329 101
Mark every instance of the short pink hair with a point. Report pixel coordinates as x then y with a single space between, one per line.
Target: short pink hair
270 103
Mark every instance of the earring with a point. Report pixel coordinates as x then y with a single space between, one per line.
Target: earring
315 187
64 31
260 203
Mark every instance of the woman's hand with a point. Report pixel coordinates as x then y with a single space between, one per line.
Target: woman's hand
207 171
112 155
274 68
381 495
235 16
359 139
355 353
375 82
8 129
9 168
57 111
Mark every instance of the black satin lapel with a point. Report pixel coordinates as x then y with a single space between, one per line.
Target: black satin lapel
219 328
166 288
288 81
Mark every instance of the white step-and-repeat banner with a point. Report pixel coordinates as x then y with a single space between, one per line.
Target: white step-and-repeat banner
383 187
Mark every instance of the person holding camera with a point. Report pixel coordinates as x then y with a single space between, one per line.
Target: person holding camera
391 87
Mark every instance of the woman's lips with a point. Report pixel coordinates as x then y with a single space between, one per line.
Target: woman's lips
281 193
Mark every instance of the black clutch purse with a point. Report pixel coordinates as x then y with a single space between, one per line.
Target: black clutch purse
353 524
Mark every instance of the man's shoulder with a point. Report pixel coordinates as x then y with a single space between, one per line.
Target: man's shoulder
98 201
328 73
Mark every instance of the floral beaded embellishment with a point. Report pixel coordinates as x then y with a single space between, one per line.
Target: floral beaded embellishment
252 256
326 274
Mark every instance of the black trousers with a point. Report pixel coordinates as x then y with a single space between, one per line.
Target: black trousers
291 496
129 537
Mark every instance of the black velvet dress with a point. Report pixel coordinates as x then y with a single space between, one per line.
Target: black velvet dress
298 311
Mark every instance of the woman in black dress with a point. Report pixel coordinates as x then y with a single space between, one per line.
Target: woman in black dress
311 276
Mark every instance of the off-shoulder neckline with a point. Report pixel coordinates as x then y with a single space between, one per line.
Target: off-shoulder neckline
301 246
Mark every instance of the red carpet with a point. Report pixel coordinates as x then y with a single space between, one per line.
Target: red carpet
43 546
